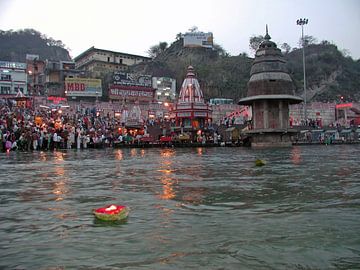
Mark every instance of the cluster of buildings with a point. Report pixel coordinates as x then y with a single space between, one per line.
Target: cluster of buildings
101 78
94 74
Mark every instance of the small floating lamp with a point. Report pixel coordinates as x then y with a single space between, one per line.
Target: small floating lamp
112 212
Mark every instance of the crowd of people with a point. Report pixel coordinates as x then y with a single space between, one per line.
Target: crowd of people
42 129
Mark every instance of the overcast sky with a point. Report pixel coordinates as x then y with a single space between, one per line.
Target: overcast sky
132 26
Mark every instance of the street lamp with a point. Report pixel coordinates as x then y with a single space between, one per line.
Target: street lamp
302 22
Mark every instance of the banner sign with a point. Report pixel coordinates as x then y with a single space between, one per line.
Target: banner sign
133 92
198 39
344 105
123 78
83 87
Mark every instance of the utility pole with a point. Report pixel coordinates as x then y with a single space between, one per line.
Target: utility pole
302 22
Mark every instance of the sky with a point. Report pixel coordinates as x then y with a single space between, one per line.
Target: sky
133 26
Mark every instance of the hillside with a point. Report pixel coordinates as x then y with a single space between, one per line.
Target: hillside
329 74
14 45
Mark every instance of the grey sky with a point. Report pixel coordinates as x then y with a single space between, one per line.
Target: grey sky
133 26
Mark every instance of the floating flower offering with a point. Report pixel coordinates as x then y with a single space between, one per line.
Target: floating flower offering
112 212
259 162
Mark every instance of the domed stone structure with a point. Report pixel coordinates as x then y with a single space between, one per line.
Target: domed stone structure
270 91
191 111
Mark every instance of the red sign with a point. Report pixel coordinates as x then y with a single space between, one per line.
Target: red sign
71 86
344 105
56 100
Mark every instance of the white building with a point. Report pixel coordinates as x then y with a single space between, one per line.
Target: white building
13 78
165 89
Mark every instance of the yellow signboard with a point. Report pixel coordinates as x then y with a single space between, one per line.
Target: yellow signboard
77 87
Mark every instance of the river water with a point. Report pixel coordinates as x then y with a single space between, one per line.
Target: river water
191 208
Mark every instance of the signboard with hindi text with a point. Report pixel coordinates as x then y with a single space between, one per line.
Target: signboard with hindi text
131 92
132 79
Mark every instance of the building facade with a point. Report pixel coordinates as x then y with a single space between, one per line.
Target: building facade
98 62
13 78
165 89
35 69
55 74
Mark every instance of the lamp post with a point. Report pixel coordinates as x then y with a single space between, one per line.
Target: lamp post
302 22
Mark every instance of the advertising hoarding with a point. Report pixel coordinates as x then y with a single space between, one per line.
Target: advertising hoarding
83 87
198 39
131 92
134 79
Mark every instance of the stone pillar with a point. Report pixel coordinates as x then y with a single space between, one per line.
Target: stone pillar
266 114
253 106
281 116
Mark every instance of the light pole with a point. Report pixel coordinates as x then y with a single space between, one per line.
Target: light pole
302 22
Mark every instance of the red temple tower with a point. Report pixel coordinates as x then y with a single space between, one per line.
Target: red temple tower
191 111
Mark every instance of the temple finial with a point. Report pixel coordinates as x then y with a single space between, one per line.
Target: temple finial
267 36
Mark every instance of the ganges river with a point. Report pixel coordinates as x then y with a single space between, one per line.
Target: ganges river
191 208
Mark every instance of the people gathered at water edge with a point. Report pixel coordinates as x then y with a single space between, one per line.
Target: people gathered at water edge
28 129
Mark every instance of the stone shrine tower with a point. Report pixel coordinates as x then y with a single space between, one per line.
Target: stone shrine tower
191 111
270 91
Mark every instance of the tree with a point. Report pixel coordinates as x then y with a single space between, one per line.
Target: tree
156 50
309 40
179 36
220 50
286 47
254 42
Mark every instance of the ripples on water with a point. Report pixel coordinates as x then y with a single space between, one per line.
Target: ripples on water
196 208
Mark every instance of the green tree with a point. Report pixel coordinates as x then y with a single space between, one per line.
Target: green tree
254 42
286 48
156 50
309 40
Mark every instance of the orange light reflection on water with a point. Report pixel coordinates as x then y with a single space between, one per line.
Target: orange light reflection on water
296 155
166 178
119 155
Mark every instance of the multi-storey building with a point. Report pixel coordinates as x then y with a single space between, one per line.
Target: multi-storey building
98 62
165 89
35 75
13 78
56 72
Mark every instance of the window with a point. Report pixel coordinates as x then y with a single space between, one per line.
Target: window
108 59
120 61
5 90
5 77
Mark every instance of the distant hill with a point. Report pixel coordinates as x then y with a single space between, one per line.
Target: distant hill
329 73
14 45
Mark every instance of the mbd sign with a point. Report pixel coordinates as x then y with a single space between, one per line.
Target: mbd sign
73 86
83 87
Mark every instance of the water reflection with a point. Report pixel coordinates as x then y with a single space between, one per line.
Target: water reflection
119 155
167 176
168 190
167 152
296 155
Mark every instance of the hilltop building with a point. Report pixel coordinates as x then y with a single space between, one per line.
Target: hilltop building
97 62
270 92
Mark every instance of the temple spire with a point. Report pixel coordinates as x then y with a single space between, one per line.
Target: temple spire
267 36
